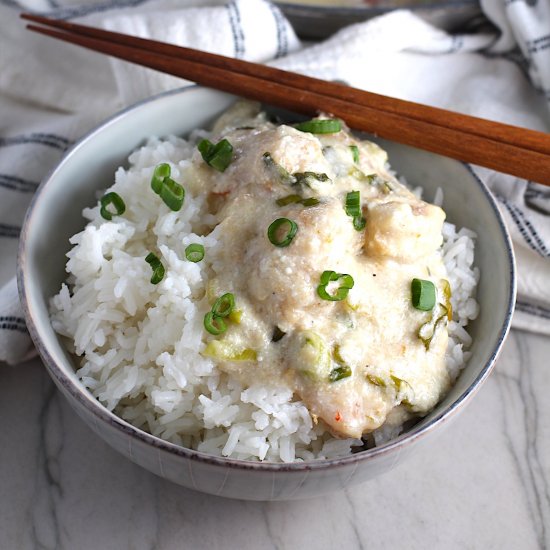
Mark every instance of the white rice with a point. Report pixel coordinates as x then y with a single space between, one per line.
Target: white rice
140 343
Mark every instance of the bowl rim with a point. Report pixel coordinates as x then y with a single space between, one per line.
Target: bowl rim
101 413
322 10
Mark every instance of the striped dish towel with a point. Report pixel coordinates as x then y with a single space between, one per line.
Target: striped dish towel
51 94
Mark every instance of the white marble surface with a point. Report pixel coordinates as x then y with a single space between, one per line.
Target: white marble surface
484 482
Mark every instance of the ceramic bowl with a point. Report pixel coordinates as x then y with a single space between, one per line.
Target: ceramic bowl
55 215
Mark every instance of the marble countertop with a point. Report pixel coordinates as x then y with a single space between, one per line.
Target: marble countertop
484 482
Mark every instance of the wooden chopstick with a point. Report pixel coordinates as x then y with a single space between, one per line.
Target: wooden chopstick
521 152
536 141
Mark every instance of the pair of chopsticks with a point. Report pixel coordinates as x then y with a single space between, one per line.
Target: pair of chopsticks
502 147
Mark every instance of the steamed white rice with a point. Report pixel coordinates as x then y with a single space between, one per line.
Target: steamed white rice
140 344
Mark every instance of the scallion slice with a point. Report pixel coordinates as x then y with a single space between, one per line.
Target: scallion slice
340 372
354 153
274 232
423 294
376 380
346 283
111 199
353 209
224 305
156 266
296 199
320 126
304 178
281 172
194 252
172 193
217 156
353 204
311 201
214 325
359 223
161 171
214 320
289 199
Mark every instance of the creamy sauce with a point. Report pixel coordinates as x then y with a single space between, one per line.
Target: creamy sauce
283 330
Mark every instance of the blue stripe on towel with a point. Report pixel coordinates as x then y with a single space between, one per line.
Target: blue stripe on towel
11 322
526 228
282 37
12 319
236 29
49 140
535 192
9 231
532 309
17 184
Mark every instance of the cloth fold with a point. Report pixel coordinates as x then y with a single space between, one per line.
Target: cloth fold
52 93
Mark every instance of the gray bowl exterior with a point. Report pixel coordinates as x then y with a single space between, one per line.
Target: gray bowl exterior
317 21
55 215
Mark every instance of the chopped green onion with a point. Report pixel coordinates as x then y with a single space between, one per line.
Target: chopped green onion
422 294
353 209
387 187
283 174
224 305
371 179
398 382
235 316
214 325
314 357
217 156
116 201
206 149
161 171
320 126
354 153
403 389
299 178
273 232
427 331
226 351
311 201
172 193
289 199
337 356
346 283
359 223
354 172
156 266
353 204
304 178
293 199
340 372
194 252
376 380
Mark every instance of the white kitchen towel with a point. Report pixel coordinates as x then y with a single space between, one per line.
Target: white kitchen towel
52 93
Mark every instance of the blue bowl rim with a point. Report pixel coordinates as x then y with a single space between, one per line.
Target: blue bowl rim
81 394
